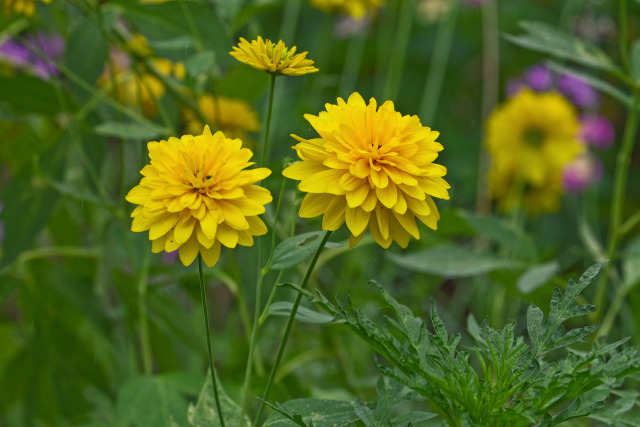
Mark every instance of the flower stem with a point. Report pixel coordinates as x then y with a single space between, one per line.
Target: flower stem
287 328
205 311
439 59
143 320
622 170
265 146
400 46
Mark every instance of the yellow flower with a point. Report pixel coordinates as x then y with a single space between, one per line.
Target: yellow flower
530 139
356 8
25 7
272 57
196 195
370 168
234 116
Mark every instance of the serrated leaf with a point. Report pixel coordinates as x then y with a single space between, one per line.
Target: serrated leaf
576 409
316 412
545 38
134 131
294 250
304 314
537 275
365 414
205 413
454 261
535 317
407 419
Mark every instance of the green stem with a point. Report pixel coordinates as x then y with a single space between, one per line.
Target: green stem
400 47
288 327
143 319
353 60
290 18
439 59
205 312
265 146
622 170
624 35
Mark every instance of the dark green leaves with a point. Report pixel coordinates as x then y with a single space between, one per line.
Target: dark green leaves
296 249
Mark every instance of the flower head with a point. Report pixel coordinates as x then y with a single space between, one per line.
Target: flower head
371 168
530 139
234 116
25 7
195 195
597 131
273 57
21 54
581 93
357 9
581 172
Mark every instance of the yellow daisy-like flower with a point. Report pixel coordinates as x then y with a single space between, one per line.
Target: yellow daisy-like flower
355 8
25 7
530 139
273 57
196 195
234 116
371 168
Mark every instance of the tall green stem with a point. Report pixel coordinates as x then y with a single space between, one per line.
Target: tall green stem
439 59
622 170
143 319
205 311
265 146
400 47
288 327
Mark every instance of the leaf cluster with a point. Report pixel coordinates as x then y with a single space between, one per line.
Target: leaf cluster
503 379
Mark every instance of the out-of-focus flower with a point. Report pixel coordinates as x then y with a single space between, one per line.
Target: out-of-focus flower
196 195
597 131
581 172
429 11
234 117
22 54
371 168
530 139
347 26
539 78
138 89
274 58
358 9
474 2
578 91
25 7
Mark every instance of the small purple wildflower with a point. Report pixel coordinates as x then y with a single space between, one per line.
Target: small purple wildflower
597 131
14 53
578 91
580 173
21 55
539 78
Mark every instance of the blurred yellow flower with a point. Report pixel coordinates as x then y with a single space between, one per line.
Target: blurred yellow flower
142 89
371 168
25 7
272 57
196 195
234 117
356 8
530 139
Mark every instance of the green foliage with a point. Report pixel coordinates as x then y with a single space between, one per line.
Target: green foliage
501 380
204 412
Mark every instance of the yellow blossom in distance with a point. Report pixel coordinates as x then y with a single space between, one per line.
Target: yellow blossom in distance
355 8
274 58
371 168
530 138
234 117
25 7
196 195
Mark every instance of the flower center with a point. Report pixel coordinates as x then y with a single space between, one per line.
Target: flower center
534 137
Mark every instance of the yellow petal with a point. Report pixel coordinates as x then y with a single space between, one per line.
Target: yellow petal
227 236
183 230
334 215
162 225
189 251
212 255
388 196
314 204
357 219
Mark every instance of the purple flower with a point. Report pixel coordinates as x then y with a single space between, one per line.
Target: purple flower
578 91
581 172
514 86
22 55
539 78
597 130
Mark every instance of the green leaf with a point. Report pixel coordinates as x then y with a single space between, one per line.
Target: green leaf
634 61
577 409
316 412
304 314
130 130
454 261
200 63
165 394
407 419
537 275
631 263
504 233
545 38
28 94
294 250
86 51
205 413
